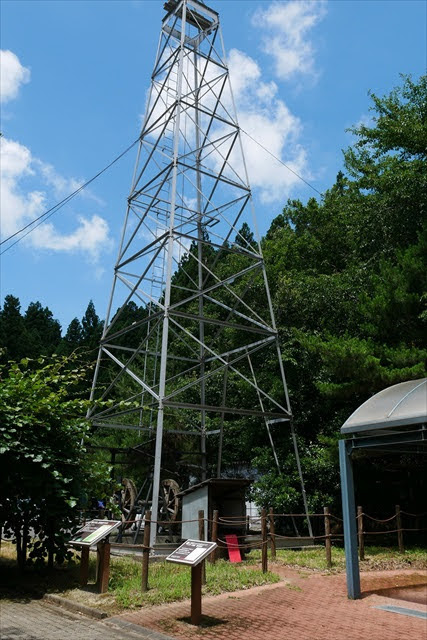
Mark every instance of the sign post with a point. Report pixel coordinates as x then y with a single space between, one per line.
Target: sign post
196 593
102 566
192 553
95 532
84 566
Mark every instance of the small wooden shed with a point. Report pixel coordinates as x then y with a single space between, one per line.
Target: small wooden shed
226 495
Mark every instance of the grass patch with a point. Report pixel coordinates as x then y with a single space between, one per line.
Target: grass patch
376 558
170 582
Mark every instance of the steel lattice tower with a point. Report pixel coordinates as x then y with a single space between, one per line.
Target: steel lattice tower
185 255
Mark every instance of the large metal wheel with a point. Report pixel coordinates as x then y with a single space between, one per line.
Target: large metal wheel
169 500
169 508
128 501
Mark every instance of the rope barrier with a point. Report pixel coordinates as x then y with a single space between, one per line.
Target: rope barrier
378 533
162 522
235 521
248 517
256 545
302 515
377 519
277 535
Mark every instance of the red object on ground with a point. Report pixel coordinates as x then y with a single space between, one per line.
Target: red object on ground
233 548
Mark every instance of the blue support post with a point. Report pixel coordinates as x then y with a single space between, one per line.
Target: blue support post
349 518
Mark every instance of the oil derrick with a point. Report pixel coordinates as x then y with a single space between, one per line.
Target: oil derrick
187 367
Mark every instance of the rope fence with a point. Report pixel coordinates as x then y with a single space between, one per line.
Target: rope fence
217 528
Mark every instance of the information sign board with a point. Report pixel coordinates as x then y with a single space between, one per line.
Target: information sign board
192 552
94 531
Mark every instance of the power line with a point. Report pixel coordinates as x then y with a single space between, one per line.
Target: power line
281 162
50 212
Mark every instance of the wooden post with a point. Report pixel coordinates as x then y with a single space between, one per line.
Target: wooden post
18 537
84 566
360 534
328 544
399 529
51 543
417 523
25 540
272 533
212 557
196 594
264 560
103 566
202 537
146 551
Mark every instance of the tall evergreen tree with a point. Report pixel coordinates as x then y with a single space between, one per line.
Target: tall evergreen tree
245 238
43 330
73 338
91 327
14 338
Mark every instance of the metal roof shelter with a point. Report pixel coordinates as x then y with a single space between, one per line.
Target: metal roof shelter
393 420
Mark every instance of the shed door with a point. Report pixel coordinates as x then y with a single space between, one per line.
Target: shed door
191 505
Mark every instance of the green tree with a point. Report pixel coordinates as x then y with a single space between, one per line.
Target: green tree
73 338
245 238
91 327
43 330
45 469
14 337
349 279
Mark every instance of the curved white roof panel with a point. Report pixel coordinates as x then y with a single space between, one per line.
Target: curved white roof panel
402 404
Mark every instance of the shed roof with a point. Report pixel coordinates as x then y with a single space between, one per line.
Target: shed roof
223 483
403 404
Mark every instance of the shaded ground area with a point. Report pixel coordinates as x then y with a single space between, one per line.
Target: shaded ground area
304 606
416 594
411 588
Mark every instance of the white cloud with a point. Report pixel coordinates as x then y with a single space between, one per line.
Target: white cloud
61 186
365 120
12 75
286 39
244 71
21 204
90 237
17 207
268 119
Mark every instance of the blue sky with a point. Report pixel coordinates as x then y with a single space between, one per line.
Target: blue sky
74 80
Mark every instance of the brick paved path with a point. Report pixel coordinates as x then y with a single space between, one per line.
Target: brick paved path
301 607
38 620
314 607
